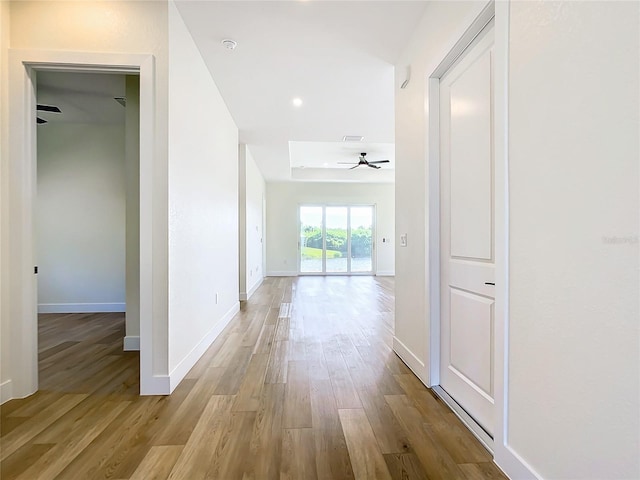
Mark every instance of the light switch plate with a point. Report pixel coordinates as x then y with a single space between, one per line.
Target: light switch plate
403 240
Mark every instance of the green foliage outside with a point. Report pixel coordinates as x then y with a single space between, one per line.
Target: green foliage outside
309 252
337 241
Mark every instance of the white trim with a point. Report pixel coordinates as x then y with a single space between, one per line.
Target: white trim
181 370
244 296
6 391
514 466
386 273
81 307
282 273
504 455
155 385
21 294
131 343
410 359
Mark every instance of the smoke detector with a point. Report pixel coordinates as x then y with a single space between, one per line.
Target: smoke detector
229 44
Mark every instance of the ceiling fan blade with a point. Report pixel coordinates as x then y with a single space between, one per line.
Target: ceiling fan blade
356 166
380 161
372 166
48 108
40 120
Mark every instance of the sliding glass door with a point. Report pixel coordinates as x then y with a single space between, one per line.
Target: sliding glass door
311 240
336 239
361 239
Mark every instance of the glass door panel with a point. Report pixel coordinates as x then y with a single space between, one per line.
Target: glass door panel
311 240
361 239
337 247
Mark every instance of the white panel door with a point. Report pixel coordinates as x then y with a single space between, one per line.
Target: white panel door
467 263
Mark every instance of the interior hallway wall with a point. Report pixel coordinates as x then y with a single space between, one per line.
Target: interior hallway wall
132 159
251 194
6 384
574 106
203 205
442 24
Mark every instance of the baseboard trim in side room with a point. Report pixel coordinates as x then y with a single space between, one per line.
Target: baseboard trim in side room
282 274
6 391
81 307
385 273
131 343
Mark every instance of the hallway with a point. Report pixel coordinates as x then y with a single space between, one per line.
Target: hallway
302 384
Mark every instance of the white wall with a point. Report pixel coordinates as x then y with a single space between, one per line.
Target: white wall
80 218
203 204
132 159
5 339
574 180
441 24
283 200
251 194
574 359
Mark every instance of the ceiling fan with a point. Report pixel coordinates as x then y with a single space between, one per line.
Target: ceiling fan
46 108
363 161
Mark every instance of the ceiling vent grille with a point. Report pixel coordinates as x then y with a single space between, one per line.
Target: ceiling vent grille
352 138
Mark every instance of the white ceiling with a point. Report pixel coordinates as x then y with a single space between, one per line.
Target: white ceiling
336 56
82 97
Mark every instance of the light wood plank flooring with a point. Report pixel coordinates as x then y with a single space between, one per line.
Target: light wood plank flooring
301 385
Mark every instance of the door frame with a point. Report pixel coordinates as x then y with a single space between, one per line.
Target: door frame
504 456
20 256
374 253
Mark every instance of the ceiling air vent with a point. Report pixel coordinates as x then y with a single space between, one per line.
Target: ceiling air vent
352 138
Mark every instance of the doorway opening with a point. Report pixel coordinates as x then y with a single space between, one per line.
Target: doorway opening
21 296
336 240
86 228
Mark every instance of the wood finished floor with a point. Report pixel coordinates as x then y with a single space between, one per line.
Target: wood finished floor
301 385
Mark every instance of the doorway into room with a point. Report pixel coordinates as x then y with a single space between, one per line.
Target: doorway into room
336 240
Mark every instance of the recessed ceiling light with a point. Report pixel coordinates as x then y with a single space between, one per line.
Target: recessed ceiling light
297 102
352 138
229 44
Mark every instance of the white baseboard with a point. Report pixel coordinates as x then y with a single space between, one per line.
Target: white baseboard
244 296
6 391
81 307
411 360
181 370
131 343
513 465
156 385
282 274
385 273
